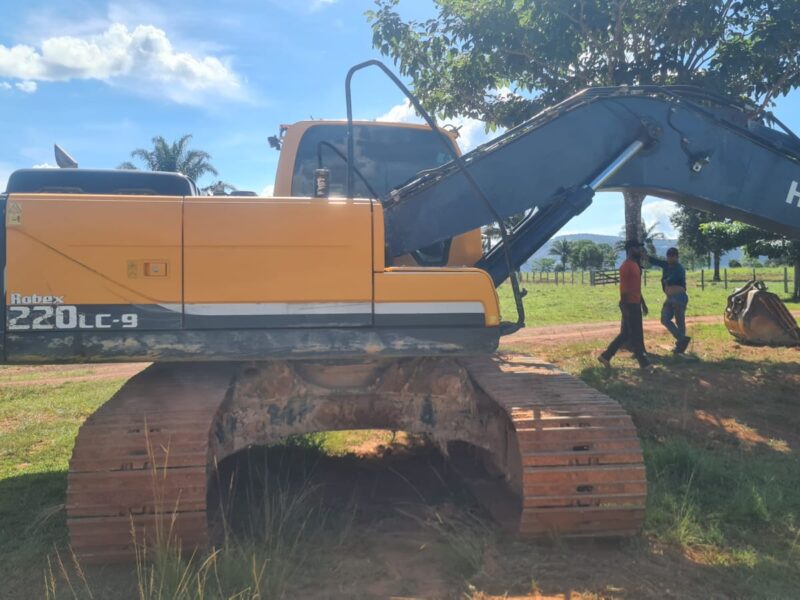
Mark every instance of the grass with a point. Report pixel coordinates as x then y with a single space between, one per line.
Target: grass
275 528
550 304
21 374
38 425
720 433
341 443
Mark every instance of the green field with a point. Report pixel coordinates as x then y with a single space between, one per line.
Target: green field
551 304
720 431
38 425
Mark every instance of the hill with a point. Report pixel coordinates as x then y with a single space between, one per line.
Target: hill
661 247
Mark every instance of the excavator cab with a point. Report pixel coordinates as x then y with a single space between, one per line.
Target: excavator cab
387 155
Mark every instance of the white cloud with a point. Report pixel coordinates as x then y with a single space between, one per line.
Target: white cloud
44 165
26 86
269 190
659 211
471 132
141 57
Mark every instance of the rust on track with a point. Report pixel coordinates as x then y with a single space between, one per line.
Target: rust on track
567 456
140 465
582 472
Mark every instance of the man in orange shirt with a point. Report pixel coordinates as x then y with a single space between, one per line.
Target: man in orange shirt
631 306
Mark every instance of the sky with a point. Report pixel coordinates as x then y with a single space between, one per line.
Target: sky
102 78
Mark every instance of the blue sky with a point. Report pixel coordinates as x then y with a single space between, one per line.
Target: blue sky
102 78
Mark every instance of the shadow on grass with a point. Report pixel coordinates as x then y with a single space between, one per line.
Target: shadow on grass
32 524
728 402
721 440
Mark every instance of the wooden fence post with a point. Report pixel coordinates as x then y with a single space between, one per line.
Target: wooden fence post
582 272
725 271
573 276
645 278
785 280
702 279
754 272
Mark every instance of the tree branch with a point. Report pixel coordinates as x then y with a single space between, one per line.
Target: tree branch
775 88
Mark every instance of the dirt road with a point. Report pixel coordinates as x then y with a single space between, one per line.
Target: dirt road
577 332
12 376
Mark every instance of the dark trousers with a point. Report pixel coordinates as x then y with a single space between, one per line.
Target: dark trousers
630 333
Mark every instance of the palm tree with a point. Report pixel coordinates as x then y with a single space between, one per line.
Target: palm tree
563 250
490 234
175 157
219 188
649 235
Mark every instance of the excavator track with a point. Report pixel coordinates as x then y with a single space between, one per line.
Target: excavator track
140 465
582 469
569 456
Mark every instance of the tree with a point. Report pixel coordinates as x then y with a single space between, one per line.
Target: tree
543 265
692 260
690 237
648 237
779 250
706 233
174 157
721 236
610 255
219 188
467 59
563 250
749 261
490 234
586 254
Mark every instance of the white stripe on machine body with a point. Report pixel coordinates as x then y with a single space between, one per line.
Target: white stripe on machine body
278 309
439 308
325 308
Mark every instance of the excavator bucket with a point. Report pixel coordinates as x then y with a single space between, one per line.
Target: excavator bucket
756 316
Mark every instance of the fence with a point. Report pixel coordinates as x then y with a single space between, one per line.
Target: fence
604 277
591 277
556 277
701 279
727 280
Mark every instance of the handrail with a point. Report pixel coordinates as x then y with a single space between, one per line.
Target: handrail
518 293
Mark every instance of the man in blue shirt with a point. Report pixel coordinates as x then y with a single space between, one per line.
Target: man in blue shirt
673 313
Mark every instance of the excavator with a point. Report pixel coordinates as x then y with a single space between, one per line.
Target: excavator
359 296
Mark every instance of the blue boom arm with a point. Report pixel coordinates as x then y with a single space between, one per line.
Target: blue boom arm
678 143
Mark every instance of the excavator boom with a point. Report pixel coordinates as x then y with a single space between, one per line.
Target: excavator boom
676 143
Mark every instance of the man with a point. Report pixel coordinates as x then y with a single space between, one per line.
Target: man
631 307
673 282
